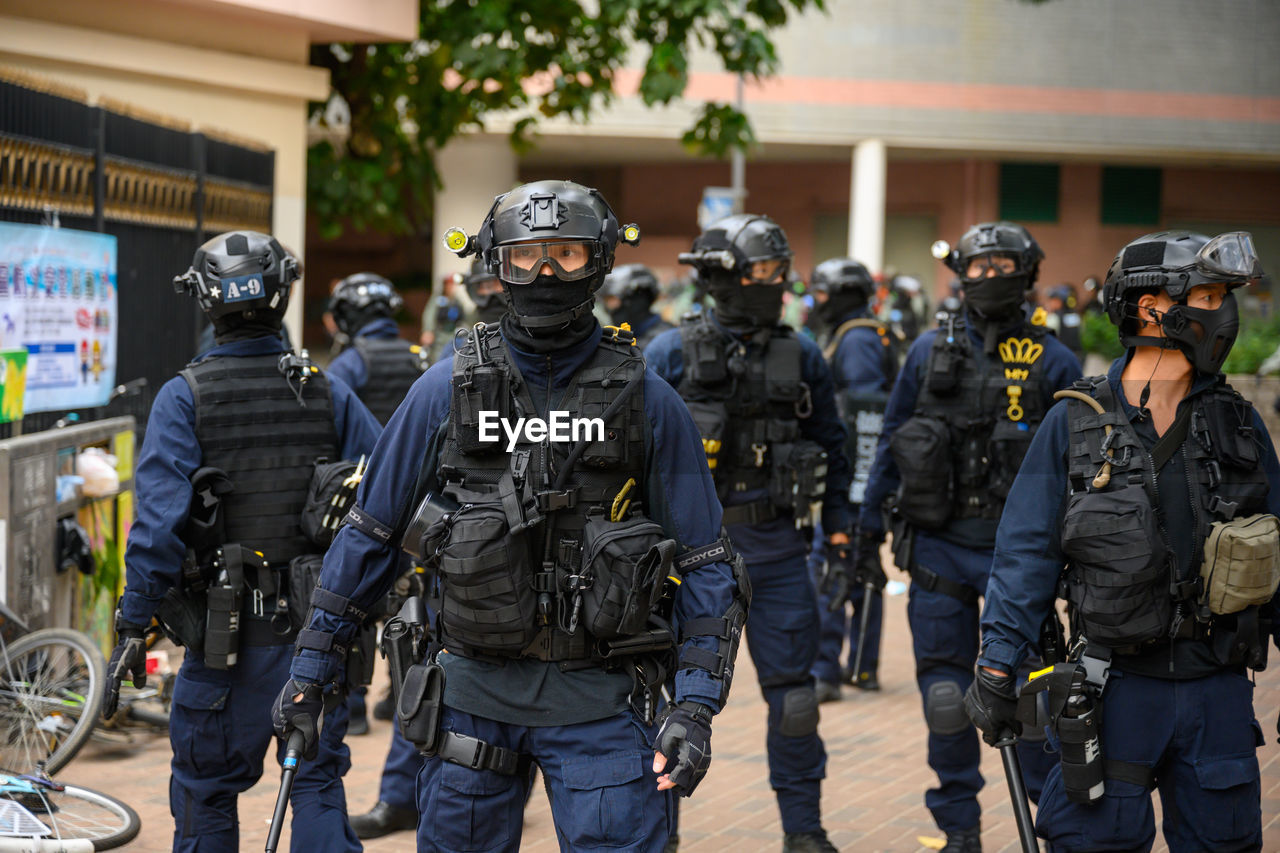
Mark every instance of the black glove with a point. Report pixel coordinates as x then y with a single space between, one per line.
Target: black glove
298 707
992 704
128 660
866 561
837 574
684 739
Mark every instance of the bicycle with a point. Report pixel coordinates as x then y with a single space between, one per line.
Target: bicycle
50 694
39 815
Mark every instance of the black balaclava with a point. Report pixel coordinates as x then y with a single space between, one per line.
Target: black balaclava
489 306
239 327
634 310
838 306
996 303
739 306
547 296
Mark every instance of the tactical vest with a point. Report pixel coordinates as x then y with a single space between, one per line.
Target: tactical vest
1122 584
889 343
391 366
513 573
266 431
974 418
748 409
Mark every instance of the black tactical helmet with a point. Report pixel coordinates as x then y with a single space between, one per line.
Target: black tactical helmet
360 298
240 272
477 274
1004 238
731 245
549 210
1176 261
842 275
631 279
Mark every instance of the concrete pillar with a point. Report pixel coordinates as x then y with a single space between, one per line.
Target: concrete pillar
866 203
474 169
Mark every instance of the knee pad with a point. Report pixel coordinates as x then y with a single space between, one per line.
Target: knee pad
799 713
944 709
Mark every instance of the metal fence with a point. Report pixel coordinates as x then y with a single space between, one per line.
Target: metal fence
159 188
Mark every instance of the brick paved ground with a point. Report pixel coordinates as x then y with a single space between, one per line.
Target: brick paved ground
872 798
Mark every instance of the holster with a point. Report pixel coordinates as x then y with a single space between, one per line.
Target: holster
402 637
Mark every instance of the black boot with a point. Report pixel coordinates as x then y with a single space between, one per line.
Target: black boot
867 680
384 819
964 841
672 845
382 709
358 726
827 691
807 842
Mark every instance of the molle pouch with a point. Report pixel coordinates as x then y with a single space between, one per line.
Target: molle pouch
1230 428
421 706
327 500
627 563
946 362
798 478
921 447
488 600
360 657
182 617
608 444
304 575
783 382
1241 565
428 527
1119 576
1007 448
710 419
480 388
709 365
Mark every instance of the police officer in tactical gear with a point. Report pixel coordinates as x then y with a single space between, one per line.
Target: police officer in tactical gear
379 364
550 558
764 402
966 404
260 416
1064 317
862 353
1156 487
486 293
629 293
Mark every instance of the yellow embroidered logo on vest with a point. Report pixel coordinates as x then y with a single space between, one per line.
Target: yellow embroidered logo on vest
1018 351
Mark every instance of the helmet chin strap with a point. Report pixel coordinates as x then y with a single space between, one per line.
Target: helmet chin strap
557 321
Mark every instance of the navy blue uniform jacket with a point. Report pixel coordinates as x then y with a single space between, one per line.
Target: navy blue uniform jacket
348 365
679 496
170 455
1028 557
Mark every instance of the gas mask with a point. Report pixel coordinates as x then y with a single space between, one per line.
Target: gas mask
1204 337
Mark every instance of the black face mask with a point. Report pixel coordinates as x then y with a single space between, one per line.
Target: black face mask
748 306
633 311
996 299
1204 337
837 307
489 306
547 306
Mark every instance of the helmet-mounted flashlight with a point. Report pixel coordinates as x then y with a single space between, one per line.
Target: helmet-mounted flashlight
459 242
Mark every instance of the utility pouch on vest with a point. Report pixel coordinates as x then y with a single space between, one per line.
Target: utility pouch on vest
182 617
1119 578
710 419
1231 432
428 527
798 478
1241 565
488 600
480 388
329 497
1005 452
708 365
946 363
421 706
304 575
627 562
921 447
782 378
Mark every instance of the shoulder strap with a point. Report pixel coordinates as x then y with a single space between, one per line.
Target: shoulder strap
844 328
1172 439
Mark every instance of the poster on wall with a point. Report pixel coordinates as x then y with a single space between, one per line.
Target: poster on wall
13 383
58 302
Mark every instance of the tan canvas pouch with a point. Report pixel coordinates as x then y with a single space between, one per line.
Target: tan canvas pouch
1241 565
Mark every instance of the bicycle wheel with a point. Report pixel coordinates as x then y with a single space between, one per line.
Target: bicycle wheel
50 696
77 813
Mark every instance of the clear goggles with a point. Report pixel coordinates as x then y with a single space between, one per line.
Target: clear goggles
767 271
990 265
1229 255
570 260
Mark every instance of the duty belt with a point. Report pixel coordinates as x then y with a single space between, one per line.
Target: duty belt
473 753
755 512
934 582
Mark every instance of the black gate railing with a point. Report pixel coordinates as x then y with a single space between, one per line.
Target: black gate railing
160 189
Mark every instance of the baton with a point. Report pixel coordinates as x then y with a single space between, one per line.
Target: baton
289 769
864 618
1018 795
